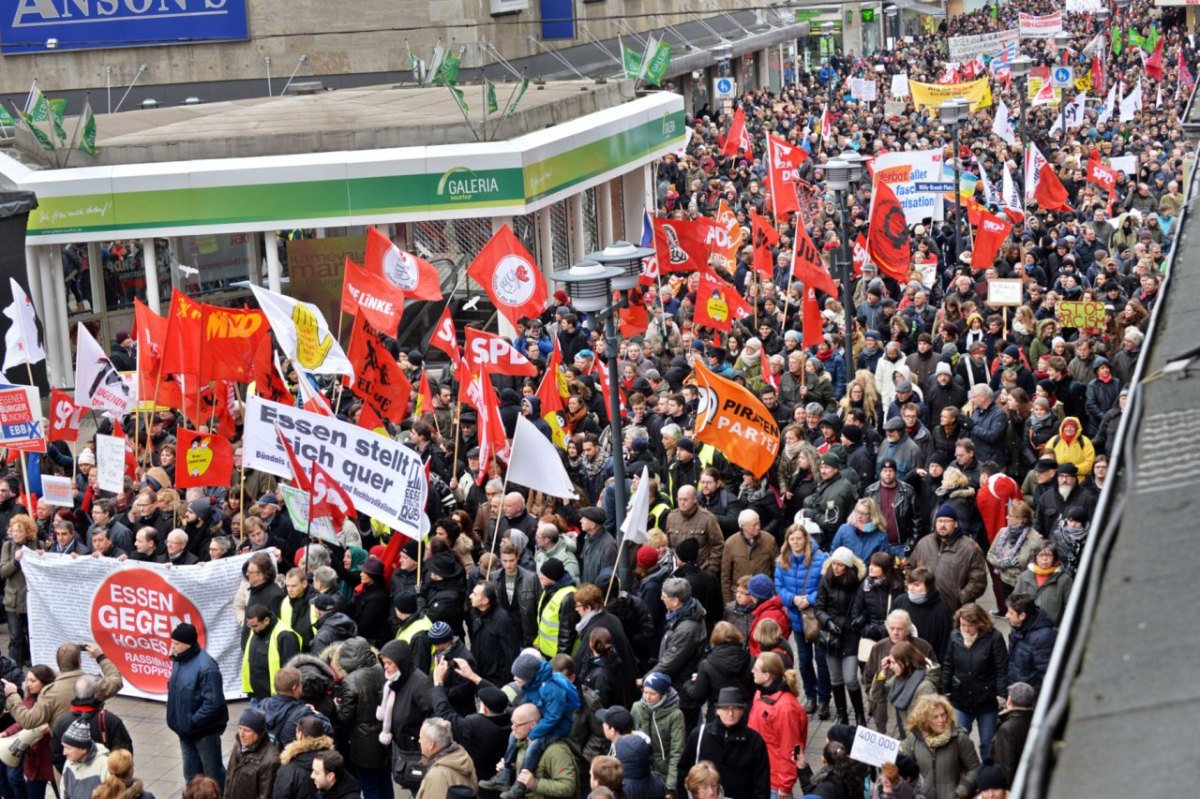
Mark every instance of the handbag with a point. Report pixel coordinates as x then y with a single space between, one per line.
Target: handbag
865 645
408 770
812 627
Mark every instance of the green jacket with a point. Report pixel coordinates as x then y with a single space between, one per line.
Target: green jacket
557 773
664 724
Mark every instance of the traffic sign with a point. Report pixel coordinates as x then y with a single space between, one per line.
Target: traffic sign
725 88
1062 78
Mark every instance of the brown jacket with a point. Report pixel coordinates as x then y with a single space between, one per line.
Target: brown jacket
959 567
702 526
55 699
741 559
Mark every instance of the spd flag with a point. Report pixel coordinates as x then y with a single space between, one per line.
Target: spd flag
737 141
64 417
207 460
445 337
491 353
807 266
785 161
328 500
765 237
735 422
887 234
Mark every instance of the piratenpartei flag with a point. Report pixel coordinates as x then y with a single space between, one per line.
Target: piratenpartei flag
535 463
21 343
98 384
303 334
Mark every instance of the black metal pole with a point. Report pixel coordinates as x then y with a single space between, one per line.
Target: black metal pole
845 272
617 443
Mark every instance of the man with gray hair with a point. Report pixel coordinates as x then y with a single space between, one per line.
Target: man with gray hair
325 581
987 425
1009 740
684 634
107 728
551 544
177 549
748 552
449 764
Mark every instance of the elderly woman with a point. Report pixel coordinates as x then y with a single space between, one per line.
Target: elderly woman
1012 550
975 672
1046 581
943 750
904 676
900 629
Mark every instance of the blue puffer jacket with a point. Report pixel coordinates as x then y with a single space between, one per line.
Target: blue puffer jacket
798 580
1029 650
556 698
862 544
196 696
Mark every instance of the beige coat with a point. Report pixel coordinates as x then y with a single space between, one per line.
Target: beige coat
55 699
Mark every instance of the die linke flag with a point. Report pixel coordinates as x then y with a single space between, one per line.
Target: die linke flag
737 141
378 379
887 234
681 245
203 460
718 303
1041 184
989 237
510 277
735 422
416 277
373 296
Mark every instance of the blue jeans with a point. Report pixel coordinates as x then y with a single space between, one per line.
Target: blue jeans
816 682
375 783
988 722
13 786
202 755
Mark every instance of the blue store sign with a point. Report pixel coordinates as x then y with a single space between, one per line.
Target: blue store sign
35 26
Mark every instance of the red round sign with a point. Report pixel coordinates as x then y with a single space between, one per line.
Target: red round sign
133 614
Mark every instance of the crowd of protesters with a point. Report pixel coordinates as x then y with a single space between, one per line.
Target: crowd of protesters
941 452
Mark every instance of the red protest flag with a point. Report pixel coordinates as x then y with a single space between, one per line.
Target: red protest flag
737 140
510 276
373 296
768 377
634 319
424 396
806 263
1041 184
490 353
206 460
784 162
268 383
445 337
150 332
551 392
230 339
378 379
1101 175
718 304
64 417
328 499
181 347
414 276
861 256
1154 64
989 237
765 236
300 478
812 324
369 420
680 245
887 234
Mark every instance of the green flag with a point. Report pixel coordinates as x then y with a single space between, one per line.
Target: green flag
37 132
87 130
657 61
36 106
1151 41
632 61
1116 40
5 117
1134 38
516 98
492 105
448 72
58 109
458 98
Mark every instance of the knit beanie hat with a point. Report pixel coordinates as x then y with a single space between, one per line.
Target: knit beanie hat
525 667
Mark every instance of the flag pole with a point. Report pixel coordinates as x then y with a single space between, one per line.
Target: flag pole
496 529
420 556
616 563
457 416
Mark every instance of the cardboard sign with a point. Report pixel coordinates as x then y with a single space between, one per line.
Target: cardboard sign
1005 291
873 748
1079 314
57 491
110 463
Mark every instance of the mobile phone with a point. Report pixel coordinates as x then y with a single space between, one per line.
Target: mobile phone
796 750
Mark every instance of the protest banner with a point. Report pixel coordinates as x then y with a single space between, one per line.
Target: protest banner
130 609
1034 27
873 748
926 95
296 502
385 478
57 491
916 178
1080 314
110 463
900 86
964 48
864 90
21 419
1005 292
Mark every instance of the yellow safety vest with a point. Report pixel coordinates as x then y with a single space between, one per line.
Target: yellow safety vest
659 513
272 656
421 625
285 614
548 620
706 456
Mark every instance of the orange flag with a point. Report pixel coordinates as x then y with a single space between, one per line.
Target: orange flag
378 379
735 422
424 396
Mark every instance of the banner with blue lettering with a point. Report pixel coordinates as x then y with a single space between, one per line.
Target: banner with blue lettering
35 26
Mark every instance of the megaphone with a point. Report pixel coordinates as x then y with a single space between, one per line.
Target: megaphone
14 747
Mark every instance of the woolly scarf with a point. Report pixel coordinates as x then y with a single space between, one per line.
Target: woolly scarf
938 741
384 711
1010 546
904 689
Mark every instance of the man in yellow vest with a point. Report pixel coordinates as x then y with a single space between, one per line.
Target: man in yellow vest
271 644
413 628
297 612
556 615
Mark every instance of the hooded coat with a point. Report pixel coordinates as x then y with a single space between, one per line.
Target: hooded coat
360 693
835 608
776 715
449 767
1076 449
725 666
738 753
665 726
294 778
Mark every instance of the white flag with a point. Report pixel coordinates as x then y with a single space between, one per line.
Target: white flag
1074 112
98 384
535 463
1034 161
1010 200
21 343
303 334
638 517
989 191
1110 106
1131 104
1158 98
1002 125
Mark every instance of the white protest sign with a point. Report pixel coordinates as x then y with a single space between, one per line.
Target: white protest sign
1035 27
916 178
130 609
385 479
900 86
1126 163
110 463
868 91
964 48
57 491
873 748
296 502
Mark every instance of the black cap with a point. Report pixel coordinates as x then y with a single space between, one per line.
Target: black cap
324 602
616 717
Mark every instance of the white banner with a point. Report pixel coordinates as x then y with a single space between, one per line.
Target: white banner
864 90
385 478
1032 27
964 48
916 177
900 86
130 609
1084 6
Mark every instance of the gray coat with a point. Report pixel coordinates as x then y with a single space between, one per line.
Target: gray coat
597 552
945 769
683 643
525 600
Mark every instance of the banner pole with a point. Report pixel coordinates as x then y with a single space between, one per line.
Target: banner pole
616 563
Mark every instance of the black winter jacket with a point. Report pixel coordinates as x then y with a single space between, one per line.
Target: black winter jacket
973 678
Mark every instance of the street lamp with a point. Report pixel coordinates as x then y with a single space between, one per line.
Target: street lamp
839 175
1021 66
593 281
953 113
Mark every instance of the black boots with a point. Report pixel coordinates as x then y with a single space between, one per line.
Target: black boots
856 702
503 780
839 701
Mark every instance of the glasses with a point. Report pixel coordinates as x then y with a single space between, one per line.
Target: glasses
253 571
520 724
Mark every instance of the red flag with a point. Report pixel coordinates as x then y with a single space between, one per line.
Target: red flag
806 263
634 319
478 392
206 460
812 324
490 353
887 234
150 332
1101 175
1154 64
312 400
861 256
445 338
229 341
738 139
369 420
783 166
682 246
1099 78
765 236
64 417
989 237
510 276
378 379
717 303
424 395
328 499
268 383
181 349
373 296
416 277
300 478
768 377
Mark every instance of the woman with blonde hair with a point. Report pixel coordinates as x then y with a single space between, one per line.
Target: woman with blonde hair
861 393
776 715
865 531
944 752
703 781
121 784
797 578
957 492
